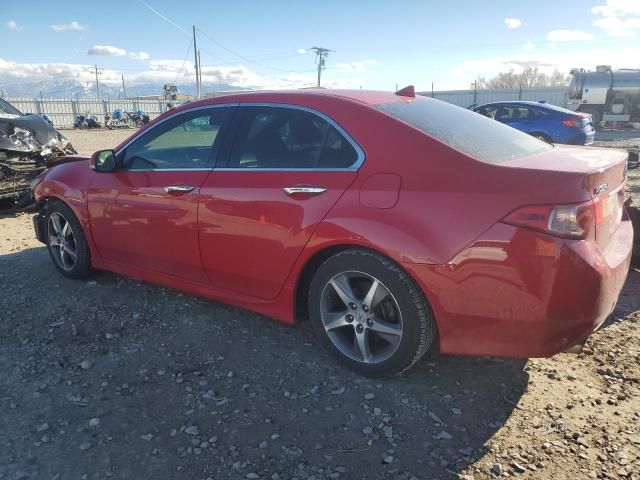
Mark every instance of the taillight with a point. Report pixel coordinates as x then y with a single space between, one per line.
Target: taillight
576 121
568 221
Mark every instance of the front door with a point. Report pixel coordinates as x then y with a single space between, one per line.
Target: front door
145 214
287 167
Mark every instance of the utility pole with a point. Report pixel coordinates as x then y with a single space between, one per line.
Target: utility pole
321 57
195 54
97 71
200 73
124 90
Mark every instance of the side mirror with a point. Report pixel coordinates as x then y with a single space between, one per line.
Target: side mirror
103 161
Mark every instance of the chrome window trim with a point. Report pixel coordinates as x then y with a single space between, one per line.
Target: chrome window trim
356 146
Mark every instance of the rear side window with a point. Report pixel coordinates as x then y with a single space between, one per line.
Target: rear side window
474 134
290 138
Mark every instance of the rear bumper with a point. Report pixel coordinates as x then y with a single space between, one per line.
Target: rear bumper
519 293
582 138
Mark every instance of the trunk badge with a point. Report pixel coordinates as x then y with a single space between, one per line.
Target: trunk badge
600 188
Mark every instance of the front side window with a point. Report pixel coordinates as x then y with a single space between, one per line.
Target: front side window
186 141
289 138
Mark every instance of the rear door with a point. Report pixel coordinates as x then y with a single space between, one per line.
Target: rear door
281 175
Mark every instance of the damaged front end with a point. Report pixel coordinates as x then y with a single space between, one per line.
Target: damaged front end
27 143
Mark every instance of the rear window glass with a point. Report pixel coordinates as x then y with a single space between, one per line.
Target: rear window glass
467 131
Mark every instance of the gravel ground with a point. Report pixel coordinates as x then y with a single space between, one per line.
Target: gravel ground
114 378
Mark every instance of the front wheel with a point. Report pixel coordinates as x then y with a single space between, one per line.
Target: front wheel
369 314
66 243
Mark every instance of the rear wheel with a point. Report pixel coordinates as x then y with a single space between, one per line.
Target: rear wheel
66 242
596 117
369 314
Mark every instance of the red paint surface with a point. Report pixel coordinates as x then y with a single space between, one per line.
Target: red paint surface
237 238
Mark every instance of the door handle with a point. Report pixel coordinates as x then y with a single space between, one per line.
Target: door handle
178 188
311 191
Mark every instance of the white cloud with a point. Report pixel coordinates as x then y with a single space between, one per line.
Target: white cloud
512 23
619 18
529 46
547 62
139 56
615 8
302 51
107 50
63 27
617 27
164 71
555 36
13 25
359 66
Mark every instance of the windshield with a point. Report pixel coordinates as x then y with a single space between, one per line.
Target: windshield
7 110
467 131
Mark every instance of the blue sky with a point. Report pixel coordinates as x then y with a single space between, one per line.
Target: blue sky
377 44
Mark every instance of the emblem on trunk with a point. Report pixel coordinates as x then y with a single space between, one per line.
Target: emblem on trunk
600 188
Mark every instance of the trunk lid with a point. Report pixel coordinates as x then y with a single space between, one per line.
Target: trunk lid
603 174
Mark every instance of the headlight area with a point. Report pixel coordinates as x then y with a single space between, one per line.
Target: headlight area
23 140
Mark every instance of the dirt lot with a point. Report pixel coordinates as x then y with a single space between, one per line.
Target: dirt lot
113 378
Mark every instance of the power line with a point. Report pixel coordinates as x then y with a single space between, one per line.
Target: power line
321 58
184 61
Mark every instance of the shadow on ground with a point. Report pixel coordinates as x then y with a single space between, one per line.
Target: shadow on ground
188 388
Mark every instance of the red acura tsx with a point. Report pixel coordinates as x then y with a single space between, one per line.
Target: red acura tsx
396 223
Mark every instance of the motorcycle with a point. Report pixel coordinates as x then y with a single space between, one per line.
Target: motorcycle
119 119
86 121
139 118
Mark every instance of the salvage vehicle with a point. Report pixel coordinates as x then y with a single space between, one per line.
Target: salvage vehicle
27 143
606 94
396 224
544 121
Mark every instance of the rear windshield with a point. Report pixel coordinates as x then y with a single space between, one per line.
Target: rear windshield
467 131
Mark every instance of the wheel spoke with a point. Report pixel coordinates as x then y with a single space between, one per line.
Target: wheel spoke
63 258
71 252
66 230
342 287
54 242
333 320
361 344
374 295
55 222
391 332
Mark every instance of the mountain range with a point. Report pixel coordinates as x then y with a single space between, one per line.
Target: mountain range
76 89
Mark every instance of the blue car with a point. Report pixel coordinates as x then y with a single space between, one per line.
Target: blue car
546 122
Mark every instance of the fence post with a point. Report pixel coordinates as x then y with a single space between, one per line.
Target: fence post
475 92
38 105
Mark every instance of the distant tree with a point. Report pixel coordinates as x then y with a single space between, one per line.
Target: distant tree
530 77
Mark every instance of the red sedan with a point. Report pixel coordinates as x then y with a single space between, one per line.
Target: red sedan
397 224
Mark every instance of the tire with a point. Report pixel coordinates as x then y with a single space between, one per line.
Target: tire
64 235
399 311
596 117
541 136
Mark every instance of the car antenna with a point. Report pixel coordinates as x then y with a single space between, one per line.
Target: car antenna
407 91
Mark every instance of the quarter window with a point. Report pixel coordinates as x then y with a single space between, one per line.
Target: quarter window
189 140
279 137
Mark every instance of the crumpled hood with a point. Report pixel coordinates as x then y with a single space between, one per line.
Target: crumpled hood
41 131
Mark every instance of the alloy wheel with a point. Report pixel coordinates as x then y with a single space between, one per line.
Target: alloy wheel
361 317
62 241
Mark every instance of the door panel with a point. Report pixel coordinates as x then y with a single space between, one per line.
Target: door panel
146 213
136 222
251 232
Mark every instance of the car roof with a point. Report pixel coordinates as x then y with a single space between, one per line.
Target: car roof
365 97
525 103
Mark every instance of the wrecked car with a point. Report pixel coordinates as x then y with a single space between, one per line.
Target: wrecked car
27 144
